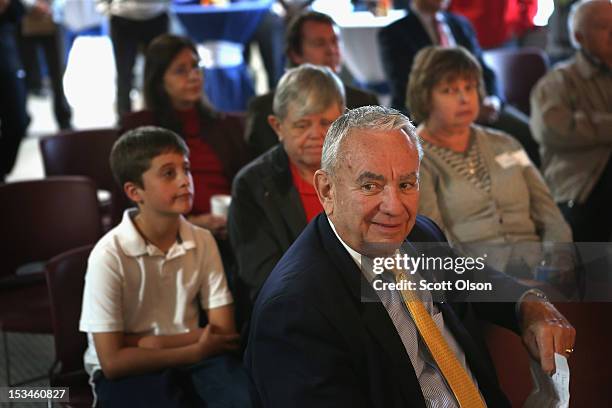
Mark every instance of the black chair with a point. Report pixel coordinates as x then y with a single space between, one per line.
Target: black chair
40 219
65 280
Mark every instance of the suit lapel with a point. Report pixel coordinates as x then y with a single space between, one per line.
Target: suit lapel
380 326
417 34
457 31
374 315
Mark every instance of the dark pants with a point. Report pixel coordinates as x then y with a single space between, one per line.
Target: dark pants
54 57
127 36
14 119
270 39
217 382
591 221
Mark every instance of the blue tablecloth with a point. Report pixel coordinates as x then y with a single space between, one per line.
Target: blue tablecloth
222 32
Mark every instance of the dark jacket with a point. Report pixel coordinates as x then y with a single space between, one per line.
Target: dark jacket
260 136
265 217
400 41
314 343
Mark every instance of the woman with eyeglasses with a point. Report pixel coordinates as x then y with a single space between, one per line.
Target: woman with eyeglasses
476 183
174 99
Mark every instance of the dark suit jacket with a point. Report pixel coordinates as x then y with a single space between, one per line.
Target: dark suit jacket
223 134
265 217
314 343
400 41
260 136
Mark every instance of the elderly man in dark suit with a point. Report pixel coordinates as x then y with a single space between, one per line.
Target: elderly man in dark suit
273 196
323 335
312 37
427 23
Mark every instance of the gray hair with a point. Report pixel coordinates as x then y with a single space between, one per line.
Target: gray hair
576 19
310 89
374 118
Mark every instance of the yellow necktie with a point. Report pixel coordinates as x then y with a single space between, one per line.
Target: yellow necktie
459 381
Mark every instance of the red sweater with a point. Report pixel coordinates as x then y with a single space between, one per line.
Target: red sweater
308 195
206 167
497 21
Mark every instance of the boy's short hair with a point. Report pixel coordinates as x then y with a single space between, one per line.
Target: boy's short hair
133 152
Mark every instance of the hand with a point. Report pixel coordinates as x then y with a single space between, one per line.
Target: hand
489 110
545 331
214 223
211 342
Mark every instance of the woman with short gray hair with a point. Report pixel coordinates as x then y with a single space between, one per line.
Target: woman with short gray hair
273 196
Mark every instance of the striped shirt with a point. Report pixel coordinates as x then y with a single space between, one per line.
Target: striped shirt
468 164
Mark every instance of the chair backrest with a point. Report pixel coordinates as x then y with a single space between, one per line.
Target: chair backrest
86 153
517 70
65 275
80 153
42 218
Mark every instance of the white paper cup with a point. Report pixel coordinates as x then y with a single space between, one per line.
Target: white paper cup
219 204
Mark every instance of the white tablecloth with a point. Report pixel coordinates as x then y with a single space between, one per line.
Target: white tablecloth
360 48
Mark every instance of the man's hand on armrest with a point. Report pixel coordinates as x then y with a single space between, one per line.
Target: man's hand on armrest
545 331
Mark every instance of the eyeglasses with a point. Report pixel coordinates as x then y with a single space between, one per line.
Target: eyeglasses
185 71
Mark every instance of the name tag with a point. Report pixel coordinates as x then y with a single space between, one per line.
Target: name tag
515 158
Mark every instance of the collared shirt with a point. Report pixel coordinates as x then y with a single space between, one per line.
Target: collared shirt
428 20
131 286
436 392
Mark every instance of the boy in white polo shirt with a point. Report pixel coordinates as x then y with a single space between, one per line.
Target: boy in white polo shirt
144 281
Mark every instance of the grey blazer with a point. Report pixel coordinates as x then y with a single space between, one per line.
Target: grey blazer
519 207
